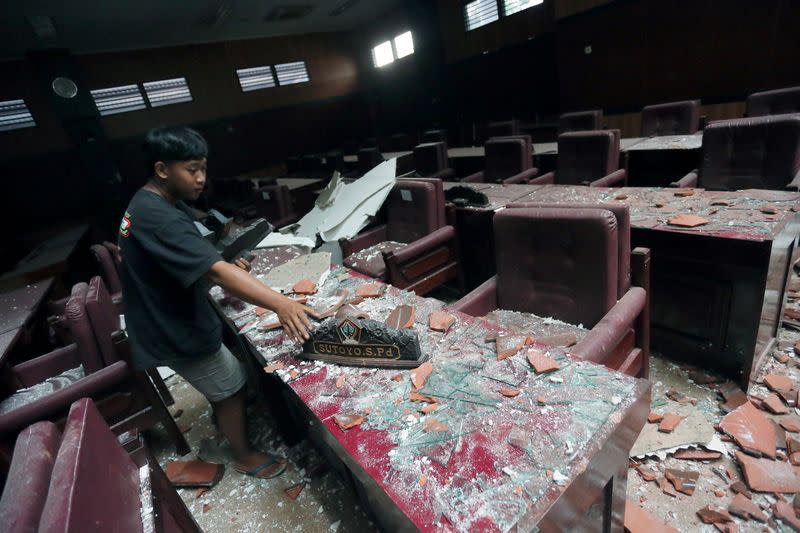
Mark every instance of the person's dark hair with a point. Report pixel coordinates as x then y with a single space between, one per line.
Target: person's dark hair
173 144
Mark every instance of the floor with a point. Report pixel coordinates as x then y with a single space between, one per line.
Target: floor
240 503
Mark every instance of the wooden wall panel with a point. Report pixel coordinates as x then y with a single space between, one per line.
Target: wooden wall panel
566 8
460 44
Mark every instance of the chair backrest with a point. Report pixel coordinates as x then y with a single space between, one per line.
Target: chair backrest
25 492
774 102
430 158
95 484
434 136
414 208
273 202
586 156
502 127
80 328
115 253
525 137
673 118
103 318
505 157
751 153
108 267
623 216
556 262
369 158
581 121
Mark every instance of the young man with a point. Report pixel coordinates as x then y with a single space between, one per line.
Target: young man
167 268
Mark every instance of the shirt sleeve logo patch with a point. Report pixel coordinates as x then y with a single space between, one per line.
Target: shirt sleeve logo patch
125 225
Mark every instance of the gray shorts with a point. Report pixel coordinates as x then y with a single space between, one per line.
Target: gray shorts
217 376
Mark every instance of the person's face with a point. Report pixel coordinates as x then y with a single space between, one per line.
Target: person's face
183 179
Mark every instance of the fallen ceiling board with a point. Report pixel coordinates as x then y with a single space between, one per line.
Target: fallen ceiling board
281 239
314 267
694 429
359 218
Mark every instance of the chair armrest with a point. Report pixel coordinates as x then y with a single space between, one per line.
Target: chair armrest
285 221
612 180
600 342
522 177
544 179
794 185
48 365
365 240
481 301
420 246
474 178
689 181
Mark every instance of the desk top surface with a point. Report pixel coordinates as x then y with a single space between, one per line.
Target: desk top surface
752 214
17 306
665 142
53 250
495 462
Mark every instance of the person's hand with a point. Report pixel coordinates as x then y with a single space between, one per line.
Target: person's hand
293 317
243 263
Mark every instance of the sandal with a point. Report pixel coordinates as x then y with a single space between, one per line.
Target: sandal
274 467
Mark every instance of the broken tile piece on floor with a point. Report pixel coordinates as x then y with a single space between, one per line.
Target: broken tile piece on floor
778 382
714 515
669 423
541 363
638 520
765 475
646 474
294 491
743 507
687 221
509 393
654 418
402 317
371 290
666 487
272 367
786 513
774 404
420 374
697 455
790 423
751 430
739 487
684 481
440 321
565 340
346 422
682 399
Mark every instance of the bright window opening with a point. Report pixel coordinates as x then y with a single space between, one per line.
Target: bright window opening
404 44
14 115
118 99
252 79
382 54
480 13
514 6
290 73
166 92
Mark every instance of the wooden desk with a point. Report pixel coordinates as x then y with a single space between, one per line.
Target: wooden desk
555 457
717 290
48 259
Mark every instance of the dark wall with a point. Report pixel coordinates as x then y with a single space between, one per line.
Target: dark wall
650 51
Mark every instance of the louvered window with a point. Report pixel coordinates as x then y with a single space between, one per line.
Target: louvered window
480 12
118 99
252 79
291 73
514 6
14 115
167 92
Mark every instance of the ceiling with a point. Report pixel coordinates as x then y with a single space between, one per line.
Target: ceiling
110 25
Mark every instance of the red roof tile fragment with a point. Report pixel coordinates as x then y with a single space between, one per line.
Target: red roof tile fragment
433 425
743 507
765 475
684 481
774 405
778 382
420 374
304 286
697 455
714 515
402 317
346 422
637 520
541 363
294 491
669 423
750 429
440 321
687 221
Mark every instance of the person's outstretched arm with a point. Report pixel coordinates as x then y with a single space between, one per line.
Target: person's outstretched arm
292 315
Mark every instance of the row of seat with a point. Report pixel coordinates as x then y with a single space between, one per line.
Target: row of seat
83 480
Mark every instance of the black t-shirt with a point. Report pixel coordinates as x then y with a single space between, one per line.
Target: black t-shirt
168 315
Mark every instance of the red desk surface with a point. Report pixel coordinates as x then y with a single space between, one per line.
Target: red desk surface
502 462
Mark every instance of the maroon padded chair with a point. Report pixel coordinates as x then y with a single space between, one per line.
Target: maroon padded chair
128 399
507 160
96 486
416 249
749 153
525 137
673 118
581 121
274 203
25 491
563 262
775 102
109 269
431 161
502 128
586 158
